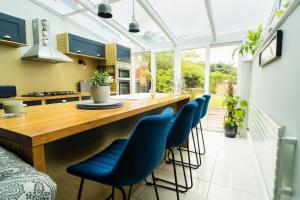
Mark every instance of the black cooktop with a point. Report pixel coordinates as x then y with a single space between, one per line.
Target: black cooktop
47 94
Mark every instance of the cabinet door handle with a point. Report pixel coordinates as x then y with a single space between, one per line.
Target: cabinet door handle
7 37
78 51
98 55
64 100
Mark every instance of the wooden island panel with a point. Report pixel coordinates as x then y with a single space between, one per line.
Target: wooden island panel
40 125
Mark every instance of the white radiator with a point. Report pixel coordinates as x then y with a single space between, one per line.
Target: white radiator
269 143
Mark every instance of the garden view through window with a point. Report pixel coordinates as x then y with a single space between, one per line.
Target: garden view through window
192 72
165 72
223 69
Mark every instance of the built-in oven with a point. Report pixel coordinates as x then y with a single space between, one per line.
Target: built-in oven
124 73
124 86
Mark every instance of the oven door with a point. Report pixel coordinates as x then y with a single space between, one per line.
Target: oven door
124 73
124 87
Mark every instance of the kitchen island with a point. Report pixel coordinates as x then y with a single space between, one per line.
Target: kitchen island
27 135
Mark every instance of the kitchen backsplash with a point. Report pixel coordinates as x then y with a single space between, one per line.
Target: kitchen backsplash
29 76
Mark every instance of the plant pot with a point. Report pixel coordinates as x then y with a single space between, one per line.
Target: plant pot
230 131
100 94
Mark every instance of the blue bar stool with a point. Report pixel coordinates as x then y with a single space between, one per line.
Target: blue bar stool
196 119
203 114
127 162
180 127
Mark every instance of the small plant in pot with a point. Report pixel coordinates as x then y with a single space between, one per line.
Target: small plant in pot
235 112
100 88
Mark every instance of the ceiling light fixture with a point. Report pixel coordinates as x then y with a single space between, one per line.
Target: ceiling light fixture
134 26
104 10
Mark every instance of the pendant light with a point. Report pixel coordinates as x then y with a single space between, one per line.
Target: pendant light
104 10
134 26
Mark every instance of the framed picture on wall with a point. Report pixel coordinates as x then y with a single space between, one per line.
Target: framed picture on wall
272 50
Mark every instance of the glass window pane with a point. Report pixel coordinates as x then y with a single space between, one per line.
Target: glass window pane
61 6
192 72
165 72
236 15
186 19
91 22
223 68
149 33
143 73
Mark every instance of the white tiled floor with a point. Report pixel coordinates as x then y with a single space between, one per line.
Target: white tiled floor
227 172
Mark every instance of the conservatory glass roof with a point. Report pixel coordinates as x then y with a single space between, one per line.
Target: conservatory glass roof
167 23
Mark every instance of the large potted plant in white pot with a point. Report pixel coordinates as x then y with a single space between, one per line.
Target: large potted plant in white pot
100 88
235 112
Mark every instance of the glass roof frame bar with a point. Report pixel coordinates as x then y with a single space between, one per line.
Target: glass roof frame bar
112 23
157 19
74 13
209 12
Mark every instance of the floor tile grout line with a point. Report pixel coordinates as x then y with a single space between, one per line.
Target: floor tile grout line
234 188
212 173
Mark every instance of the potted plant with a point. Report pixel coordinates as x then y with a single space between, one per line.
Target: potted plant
254 40
235 112
100 88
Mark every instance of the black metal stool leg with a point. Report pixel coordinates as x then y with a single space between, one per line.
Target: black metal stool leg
182 190
123 192
183 168
80 189
155 187
112 195
129 193
201 130
194 166
175 175
190 166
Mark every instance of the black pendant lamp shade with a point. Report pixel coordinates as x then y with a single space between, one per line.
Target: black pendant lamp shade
134 27
104 10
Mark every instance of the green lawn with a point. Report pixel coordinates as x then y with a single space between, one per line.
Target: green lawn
215 102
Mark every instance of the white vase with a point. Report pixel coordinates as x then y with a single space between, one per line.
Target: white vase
100 94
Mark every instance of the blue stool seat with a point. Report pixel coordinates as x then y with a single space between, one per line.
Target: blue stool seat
99 167
127 162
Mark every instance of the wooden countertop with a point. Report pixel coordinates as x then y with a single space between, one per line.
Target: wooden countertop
46 123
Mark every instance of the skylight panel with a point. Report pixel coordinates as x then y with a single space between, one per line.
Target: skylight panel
149 33
236 15
62 7
93 23
186 19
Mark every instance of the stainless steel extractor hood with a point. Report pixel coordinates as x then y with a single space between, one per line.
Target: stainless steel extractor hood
41 51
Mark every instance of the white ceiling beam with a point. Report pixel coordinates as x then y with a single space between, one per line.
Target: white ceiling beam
210 16
157 19
112 23
234 38
74 13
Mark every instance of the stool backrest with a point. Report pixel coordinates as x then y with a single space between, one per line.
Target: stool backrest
144 150
181 127
198 111
205 107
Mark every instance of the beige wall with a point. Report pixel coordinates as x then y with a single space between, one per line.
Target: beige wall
31 76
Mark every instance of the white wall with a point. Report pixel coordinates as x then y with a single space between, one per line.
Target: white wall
29 10
275 87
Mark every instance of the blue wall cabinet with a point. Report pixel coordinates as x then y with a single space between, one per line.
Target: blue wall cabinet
123 54
82 47
12 31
